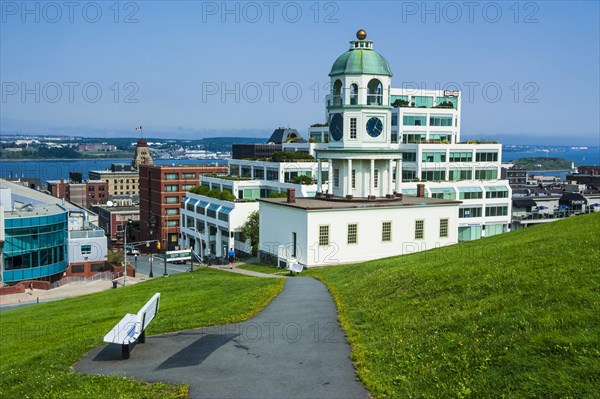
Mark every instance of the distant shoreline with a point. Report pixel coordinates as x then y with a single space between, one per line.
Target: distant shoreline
64 159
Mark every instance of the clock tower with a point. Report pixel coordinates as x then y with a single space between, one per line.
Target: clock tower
362 158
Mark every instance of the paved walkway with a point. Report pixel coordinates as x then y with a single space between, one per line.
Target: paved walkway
246 272
66 291
294 348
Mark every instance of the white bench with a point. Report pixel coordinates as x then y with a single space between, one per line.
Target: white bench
294 267
132 327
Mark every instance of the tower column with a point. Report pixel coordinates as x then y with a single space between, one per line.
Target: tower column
319 177
398 174
349 178
330 176
372 179
390 189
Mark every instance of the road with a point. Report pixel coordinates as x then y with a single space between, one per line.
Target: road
142 266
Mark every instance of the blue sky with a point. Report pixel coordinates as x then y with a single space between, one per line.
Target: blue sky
196 68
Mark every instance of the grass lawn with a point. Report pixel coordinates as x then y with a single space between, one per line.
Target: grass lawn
515 315
40 343
263 268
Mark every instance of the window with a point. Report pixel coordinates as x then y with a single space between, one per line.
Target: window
409 157
376 179
443 228
423 101
419 229
172 223
496 210
386 231
352 233
433 175
409 138
487 156
486 174
86 249
169 188
188 175
187 187
462 156
171 200
460 174
324 235
414 120
336 178
394 119
474 212
496 192
353 178
171 211
171 176
440 120
352 128
443 193
434 156
470 193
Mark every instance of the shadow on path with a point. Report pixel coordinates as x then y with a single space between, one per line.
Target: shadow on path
294 348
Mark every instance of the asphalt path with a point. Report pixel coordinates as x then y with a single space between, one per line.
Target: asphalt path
142 265
295 348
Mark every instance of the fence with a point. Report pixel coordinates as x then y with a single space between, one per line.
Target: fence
82 280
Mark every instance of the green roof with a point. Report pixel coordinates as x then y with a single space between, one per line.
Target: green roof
361 61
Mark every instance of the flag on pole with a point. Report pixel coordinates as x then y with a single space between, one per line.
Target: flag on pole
139 127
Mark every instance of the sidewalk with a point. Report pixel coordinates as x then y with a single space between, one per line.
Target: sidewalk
235 269
66 291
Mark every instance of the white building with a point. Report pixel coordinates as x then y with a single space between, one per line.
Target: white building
320 231
211 226
376 131
363 214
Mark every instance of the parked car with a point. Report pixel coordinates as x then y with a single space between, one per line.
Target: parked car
133 251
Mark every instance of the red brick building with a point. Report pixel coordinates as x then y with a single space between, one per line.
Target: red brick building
84 194
162 188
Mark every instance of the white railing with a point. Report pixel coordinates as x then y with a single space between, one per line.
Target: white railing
82 280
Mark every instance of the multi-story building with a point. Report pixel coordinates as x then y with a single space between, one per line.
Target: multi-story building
84 194
210 226
279 136
121 179
46 238
399 177
516 176
113 218
408 136
162 188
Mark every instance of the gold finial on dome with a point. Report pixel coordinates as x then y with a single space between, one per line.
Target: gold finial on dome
361 34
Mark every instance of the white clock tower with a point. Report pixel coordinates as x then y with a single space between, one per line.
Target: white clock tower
361 156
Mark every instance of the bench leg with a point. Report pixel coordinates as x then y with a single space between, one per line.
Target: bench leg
142 338
125 351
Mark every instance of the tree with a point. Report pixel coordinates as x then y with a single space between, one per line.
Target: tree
250 229
115 257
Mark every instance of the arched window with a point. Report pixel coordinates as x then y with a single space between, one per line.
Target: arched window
337 92
353 94
375 92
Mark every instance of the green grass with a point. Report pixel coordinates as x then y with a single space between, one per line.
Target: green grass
39 344
262 268
515 315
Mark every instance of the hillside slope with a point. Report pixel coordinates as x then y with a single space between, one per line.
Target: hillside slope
515 315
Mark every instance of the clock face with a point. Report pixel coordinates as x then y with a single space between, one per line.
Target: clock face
374 127
336 127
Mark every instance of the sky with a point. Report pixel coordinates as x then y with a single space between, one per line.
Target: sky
528 71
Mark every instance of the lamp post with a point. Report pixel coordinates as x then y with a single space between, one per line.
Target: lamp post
125 252
165 258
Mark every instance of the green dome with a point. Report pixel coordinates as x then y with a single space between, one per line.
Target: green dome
361 61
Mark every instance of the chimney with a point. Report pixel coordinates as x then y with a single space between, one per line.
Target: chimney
291 195
420 190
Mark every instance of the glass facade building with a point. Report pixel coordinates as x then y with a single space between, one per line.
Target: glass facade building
35 245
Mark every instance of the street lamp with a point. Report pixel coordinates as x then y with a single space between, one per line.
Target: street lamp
125 252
